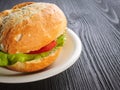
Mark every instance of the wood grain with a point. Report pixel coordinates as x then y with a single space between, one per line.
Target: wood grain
97 23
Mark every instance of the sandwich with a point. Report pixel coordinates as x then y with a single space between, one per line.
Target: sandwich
32 35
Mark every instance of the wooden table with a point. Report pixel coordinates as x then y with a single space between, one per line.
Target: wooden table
96 22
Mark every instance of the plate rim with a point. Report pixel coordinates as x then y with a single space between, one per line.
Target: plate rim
54 71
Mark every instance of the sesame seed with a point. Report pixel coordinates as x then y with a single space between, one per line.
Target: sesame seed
18 37
1 46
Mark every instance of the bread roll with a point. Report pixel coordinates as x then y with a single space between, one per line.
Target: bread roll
30 26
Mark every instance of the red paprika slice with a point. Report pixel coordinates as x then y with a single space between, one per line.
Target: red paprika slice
46 48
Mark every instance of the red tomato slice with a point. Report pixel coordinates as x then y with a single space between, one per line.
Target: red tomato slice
44 49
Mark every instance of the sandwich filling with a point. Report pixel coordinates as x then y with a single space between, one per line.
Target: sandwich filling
7 59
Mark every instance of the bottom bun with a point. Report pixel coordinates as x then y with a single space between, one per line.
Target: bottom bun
35 65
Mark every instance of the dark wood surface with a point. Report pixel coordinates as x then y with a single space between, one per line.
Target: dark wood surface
96 22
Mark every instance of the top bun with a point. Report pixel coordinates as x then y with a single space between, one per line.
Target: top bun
29 26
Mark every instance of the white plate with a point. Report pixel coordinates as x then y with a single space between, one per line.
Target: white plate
70 53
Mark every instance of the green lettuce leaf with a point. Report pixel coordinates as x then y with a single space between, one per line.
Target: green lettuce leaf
9 59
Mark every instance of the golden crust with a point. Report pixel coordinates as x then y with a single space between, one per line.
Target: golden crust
29 27
35 65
